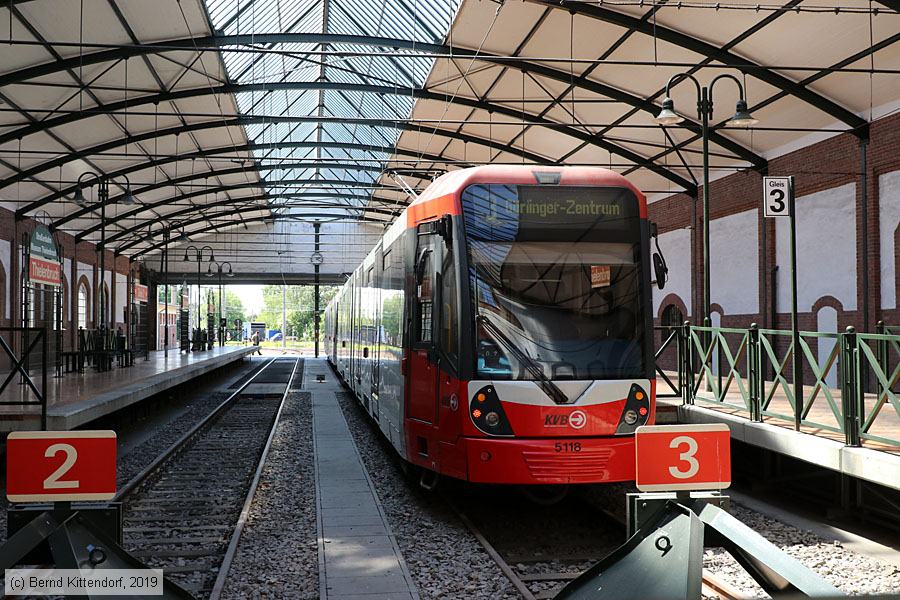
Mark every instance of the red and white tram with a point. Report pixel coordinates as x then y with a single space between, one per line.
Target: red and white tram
500 331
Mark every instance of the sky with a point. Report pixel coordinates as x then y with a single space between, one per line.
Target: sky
251 297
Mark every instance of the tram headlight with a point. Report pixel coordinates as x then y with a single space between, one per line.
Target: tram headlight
487 412
636 411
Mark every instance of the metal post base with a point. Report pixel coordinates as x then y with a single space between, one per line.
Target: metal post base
663 558
76 540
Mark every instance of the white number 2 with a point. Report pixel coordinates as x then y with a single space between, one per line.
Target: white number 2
687 456
53 482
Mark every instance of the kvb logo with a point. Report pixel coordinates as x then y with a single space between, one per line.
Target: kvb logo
575 419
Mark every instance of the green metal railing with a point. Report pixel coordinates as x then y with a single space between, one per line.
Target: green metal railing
850 386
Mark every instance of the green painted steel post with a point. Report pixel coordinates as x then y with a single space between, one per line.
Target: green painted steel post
851 393
688 387
753 372
881 348
679 349
797 356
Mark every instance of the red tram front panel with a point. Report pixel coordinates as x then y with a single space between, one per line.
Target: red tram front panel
531 398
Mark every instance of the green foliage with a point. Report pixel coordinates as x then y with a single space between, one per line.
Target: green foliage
300 305
234 308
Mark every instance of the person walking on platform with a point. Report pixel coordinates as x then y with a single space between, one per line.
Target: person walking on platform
254 339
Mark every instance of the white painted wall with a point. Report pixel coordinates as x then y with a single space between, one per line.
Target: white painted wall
87 271
826 249
889 217
827 322
676 247
121 297
5 254
734 263
67 271
344 246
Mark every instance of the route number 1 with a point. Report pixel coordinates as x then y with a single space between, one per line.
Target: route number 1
682 457
776 196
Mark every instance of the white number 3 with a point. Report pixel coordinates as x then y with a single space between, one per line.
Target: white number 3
687 456
53 482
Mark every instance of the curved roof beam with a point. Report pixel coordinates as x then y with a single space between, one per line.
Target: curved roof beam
269 218
713 52
252 167
365 40
224 150
238 122
241 209
314 183
576 133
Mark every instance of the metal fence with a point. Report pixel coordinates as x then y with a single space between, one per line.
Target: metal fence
30 364
849 388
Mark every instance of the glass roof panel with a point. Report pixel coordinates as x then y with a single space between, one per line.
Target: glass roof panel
304 125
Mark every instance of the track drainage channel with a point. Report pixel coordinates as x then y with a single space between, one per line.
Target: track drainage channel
182 517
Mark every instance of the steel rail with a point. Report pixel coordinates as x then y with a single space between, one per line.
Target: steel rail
710 582
495 556
225 566
158 462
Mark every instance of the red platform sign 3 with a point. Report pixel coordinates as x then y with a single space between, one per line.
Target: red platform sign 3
56 466
682 457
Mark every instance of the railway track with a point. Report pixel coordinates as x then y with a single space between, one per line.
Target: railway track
540 578
184 512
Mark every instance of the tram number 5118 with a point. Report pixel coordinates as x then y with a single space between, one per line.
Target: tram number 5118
682 457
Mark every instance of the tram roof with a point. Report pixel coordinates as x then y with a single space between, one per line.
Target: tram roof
224 114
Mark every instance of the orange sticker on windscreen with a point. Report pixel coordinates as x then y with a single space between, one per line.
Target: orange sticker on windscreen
600 275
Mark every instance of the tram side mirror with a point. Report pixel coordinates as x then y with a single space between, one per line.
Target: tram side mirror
421 266
660 268
445 230
442 227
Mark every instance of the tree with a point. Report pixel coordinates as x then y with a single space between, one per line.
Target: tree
234 308
300 308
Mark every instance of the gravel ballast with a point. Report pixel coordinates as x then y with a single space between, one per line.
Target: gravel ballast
443 557
850 572
277 556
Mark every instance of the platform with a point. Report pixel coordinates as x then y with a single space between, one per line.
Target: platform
877 466
78 398
358 556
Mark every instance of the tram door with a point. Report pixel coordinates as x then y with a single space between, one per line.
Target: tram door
422 368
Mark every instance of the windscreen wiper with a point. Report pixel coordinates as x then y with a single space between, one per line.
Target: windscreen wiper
551 389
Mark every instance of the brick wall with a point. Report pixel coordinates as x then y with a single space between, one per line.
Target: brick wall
822 166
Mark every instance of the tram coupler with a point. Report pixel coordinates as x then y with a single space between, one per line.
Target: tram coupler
84 537
663 556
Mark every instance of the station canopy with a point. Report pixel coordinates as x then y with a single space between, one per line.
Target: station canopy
210 116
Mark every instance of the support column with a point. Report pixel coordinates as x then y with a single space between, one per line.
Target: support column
316 295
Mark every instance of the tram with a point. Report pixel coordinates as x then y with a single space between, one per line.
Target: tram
501 329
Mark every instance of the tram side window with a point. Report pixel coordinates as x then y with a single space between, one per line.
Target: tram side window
449 341
425 297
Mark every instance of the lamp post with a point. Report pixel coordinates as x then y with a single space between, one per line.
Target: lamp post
209 273
741 118
102 183
181 236
199 258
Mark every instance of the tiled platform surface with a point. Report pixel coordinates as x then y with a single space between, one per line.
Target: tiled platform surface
79 398
358 555
869 464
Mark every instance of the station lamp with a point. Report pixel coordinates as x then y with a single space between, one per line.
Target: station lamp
742 118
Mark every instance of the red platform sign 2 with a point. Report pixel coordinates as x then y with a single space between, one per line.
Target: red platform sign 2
682 457
56 466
